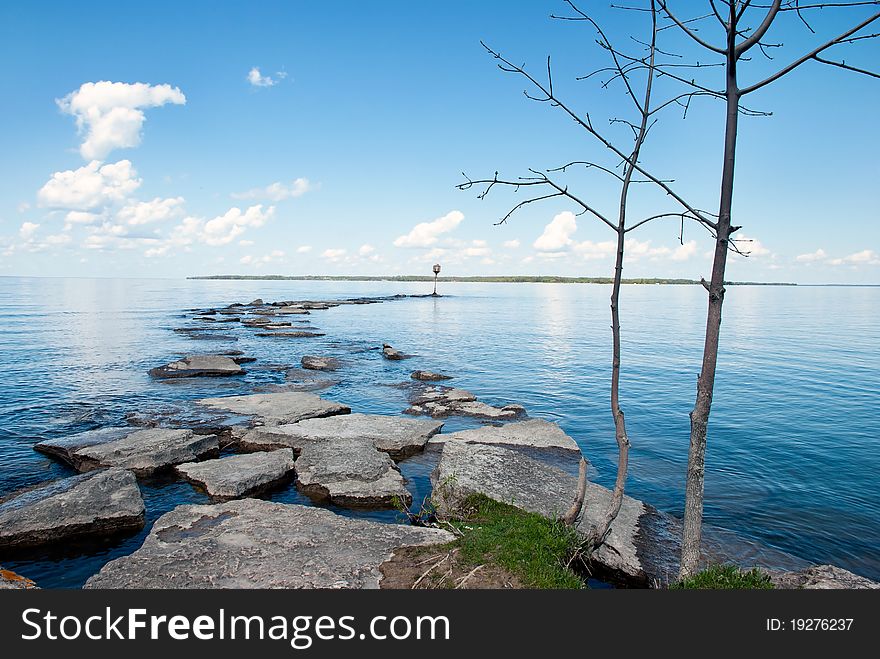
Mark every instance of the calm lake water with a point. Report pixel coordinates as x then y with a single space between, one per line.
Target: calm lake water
792 461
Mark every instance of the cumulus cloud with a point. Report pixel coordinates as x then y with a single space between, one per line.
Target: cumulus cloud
334 255
303 249
751 246
366 250
426 234
865 257
110 114
684 252
557 234
277 191
257 79
225 228
27 230
812 257
511 244
89 187
275 255
146 212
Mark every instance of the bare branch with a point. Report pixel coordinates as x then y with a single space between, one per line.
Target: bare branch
761 30
684 28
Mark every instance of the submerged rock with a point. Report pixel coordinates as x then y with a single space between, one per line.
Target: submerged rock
533 433
65 448
822 577
239 475
641 548
350 472
314 363
429 376
393 354
198 366
396 436
439 402
292 335
278 408
9 580
147 451
297 311
99 503
250 543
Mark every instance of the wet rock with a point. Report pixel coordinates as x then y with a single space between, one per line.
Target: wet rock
65 448
275 409
198 366
9 580
255 303
95 504
429 376
393 354
291 335
250 543
439 402
314 363
641 548
300 379
298 311
147 451
822 577
272 326
532 434
396 436
352 473
239 475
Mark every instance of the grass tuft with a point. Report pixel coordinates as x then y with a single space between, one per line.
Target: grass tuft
725 577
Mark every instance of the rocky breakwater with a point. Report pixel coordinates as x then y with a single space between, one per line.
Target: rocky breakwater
88 505
250 543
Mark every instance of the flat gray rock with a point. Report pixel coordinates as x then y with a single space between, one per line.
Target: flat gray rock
198 366
99 503
511 477
822 577
429 376
439 402
277 408
297 311
351 473
291 334
239 475
315 363
397 436
64 448
250 543
533 433
147 451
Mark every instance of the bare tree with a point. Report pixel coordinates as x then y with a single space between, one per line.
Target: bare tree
629 71
744 25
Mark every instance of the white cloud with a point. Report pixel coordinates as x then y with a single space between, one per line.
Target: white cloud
477 251
277 191
275 255
333 254
58 239
146 212
865 257
511 244
751 246
366 250
110 113
684 252
27 230
257 79
303 249
89 187
605 249
557 234
812 257
81 217
425 234
225 228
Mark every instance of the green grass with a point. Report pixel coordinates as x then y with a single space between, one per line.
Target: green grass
725 577
532 547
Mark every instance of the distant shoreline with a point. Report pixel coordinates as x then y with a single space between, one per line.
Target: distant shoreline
482 280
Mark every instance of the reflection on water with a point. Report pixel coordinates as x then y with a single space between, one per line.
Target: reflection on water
792 457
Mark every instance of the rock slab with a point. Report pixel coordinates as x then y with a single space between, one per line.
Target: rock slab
65 448
239 475
439 402
533 433
94 504
199 366
250 543
429 376
146 451
277 408
822 577
315 363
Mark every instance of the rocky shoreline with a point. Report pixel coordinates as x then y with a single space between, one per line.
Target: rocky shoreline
333 455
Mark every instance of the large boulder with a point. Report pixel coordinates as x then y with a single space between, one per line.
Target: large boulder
533 434
239 475
822 577
64 448
198 366
146 451
351 473
250 543
95 504
637 550
277 408
399 437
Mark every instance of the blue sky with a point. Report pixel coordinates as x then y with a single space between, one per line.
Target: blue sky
175 139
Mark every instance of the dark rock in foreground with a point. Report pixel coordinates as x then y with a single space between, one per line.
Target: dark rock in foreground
239 475
429 376
822 577
391 353
397 436
278 408
250 543
314 363
95 504
199 366
147 451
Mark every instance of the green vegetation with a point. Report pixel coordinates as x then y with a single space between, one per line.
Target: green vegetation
725 577
481 280
535 549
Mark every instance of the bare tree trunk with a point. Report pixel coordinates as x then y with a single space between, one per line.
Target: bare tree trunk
693 502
